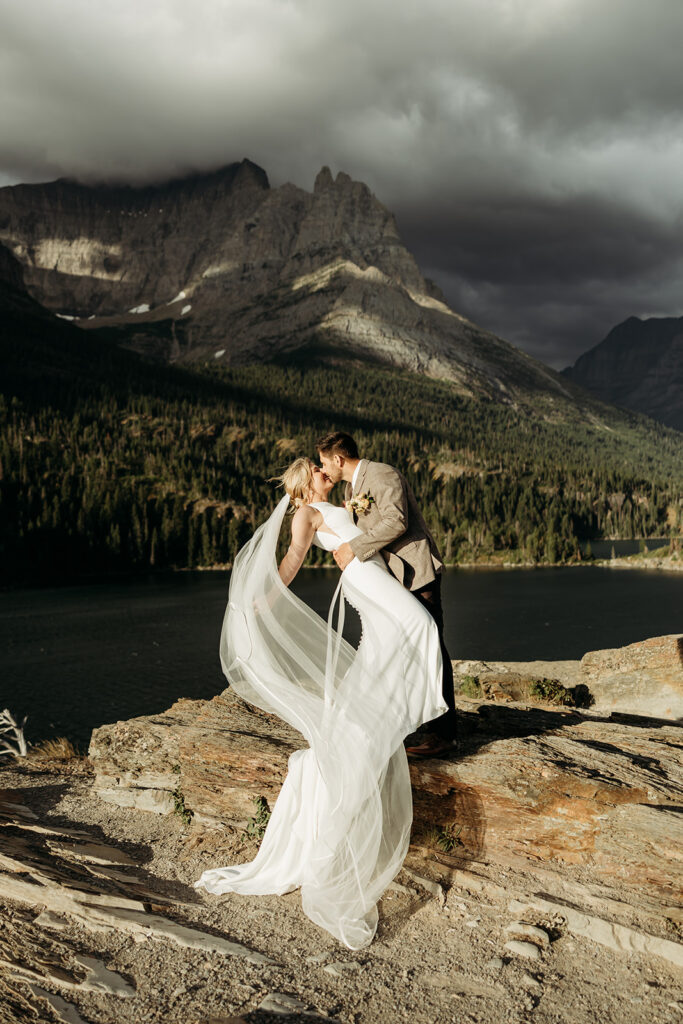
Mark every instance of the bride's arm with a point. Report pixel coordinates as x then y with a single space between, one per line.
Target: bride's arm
304 525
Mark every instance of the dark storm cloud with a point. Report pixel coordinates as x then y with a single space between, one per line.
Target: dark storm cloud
553 278
531 149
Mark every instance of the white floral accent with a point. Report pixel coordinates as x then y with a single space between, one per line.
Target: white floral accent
361 503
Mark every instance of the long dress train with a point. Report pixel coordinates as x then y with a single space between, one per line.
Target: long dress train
340 827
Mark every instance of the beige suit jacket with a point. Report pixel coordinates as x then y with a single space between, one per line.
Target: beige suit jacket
394 526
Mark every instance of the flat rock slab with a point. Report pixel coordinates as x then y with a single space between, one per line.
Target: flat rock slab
645 678
520 947
529 785
49 885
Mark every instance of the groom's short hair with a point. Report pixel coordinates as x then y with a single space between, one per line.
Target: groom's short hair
338 443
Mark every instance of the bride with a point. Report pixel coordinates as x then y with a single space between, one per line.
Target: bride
340 827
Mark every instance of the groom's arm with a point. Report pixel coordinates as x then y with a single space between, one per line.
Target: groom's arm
390 505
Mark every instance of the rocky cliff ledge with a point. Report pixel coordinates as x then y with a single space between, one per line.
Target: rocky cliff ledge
588 795
645 678
544 873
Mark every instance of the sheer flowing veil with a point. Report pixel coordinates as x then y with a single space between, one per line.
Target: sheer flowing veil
275 650
341 824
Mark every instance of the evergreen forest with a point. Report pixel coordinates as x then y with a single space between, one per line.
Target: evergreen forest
112 463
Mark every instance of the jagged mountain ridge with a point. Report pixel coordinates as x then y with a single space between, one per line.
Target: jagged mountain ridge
222 267
638 365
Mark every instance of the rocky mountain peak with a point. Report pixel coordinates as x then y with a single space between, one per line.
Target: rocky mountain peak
323 180
220 266
639 365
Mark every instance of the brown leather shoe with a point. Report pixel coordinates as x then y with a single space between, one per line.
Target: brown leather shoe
432 746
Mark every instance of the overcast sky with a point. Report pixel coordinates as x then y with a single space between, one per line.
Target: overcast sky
532 150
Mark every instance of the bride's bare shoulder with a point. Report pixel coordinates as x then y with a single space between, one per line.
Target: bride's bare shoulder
306 515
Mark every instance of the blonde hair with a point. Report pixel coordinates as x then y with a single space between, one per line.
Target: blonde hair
297 479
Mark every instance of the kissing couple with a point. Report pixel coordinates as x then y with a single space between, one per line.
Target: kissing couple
340 827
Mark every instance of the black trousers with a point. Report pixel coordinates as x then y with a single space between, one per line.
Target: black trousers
429 596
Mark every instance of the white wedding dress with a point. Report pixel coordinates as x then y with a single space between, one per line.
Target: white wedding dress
340 827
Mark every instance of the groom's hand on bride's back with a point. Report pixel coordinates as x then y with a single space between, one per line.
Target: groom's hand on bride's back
343 555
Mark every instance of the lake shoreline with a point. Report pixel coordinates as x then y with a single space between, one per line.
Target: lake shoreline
633 562
626 562
623 562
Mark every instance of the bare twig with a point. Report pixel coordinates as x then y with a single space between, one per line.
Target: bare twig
9 725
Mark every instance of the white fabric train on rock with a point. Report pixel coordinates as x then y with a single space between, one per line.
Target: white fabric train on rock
340 827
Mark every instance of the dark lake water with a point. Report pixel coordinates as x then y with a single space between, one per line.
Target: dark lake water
72 658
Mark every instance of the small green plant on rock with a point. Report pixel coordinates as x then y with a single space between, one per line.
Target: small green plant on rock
551 691
179 807
256 826
444 837
470 686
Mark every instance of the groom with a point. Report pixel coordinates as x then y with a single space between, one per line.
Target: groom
392 523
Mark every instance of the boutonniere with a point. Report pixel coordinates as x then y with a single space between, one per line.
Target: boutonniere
361 503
